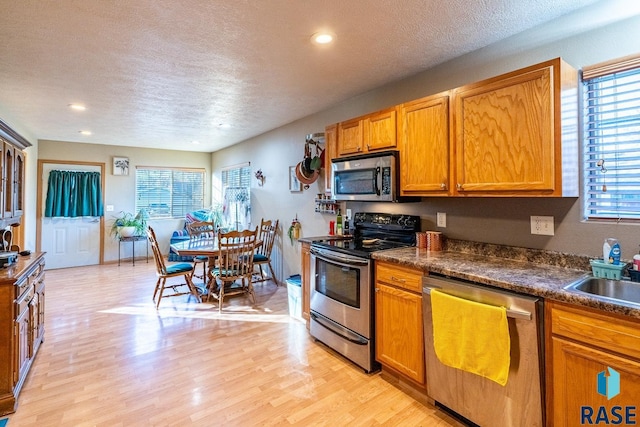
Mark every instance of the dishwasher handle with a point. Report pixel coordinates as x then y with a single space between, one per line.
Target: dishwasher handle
515 314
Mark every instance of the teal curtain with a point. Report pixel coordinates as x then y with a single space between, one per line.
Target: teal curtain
73 194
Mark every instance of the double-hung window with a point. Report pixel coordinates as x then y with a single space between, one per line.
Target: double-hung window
169 192
611 128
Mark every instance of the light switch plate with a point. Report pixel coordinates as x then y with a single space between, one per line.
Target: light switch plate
109 208
542 225
441 220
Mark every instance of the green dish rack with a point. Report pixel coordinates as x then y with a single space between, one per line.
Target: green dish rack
606 270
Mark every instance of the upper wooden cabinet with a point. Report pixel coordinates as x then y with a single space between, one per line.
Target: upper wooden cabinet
424 144
12 183
12 172
516 134
330 148
368 133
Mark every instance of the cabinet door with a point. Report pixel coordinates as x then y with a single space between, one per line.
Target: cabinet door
399 339
380 130
576 369
424 147
504 134
350 137
306 280
18 183
38 314
22 346
330 151
7 180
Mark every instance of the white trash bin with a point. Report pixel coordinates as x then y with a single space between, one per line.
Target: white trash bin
294 289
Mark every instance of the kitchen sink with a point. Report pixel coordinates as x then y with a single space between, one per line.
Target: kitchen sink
619 291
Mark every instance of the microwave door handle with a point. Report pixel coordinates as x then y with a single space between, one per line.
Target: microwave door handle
376 177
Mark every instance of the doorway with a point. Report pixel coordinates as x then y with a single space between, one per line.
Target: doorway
68 242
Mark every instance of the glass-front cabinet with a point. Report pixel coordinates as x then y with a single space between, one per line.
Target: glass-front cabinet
12 172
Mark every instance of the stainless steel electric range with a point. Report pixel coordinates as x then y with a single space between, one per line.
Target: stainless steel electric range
341 291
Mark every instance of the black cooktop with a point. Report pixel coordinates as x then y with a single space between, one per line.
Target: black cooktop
376 232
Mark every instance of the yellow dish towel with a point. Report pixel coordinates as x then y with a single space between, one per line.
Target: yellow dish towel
471 336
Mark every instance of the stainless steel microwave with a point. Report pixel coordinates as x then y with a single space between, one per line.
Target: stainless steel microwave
367 177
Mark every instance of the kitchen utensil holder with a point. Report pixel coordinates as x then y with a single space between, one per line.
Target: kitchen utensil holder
606 270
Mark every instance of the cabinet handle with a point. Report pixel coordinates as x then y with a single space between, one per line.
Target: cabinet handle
459 186
443 186
395 279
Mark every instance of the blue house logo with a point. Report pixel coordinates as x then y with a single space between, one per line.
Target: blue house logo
609 385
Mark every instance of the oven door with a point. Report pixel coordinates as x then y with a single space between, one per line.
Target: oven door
340 289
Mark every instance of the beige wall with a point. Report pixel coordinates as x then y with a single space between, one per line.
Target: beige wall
492 220
502 221
120 190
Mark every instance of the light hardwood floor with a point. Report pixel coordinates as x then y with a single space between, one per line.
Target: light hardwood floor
110 359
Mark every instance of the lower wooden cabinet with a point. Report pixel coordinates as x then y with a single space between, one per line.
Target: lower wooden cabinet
22 289
593 377
399 332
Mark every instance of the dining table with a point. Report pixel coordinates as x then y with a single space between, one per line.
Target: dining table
203 247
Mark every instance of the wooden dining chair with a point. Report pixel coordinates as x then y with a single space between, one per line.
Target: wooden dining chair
234 269
200 232
180 270
268 231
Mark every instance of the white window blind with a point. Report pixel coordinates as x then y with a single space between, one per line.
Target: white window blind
612 139
167 193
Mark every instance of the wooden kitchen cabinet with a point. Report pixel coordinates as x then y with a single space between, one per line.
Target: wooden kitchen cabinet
424 145
370 133
305 278
12 167
330 150
517 135
583 343
398 316
22 298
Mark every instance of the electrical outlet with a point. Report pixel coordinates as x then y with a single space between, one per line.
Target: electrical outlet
542 225
349 213
109 208
441 220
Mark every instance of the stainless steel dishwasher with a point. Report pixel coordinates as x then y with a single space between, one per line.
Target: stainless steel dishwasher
482 401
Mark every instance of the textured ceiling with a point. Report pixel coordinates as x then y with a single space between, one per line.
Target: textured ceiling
163 73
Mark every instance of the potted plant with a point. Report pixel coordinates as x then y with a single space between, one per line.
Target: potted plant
126 224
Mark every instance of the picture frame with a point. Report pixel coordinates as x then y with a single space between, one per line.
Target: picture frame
121 166
294 184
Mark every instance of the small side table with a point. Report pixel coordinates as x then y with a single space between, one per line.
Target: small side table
133 240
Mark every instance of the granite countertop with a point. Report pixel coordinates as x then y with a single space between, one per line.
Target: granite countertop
522 273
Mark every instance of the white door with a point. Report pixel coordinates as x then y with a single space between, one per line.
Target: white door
69 242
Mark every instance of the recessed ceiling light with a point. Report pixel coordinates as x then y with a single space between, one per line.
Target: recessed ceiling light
323 37
195 142
85 132
224 125
77 107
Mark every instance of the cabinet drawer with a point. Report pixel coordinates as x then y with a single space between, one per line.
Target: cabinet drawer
33 275
22 303
609 332
403 277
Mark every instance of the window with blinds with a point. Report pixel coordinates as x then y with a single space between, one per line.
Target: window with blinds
612 139
169 193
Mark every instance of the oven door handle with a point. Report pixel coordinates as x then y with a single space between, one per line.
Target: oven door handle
344 260
338 330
